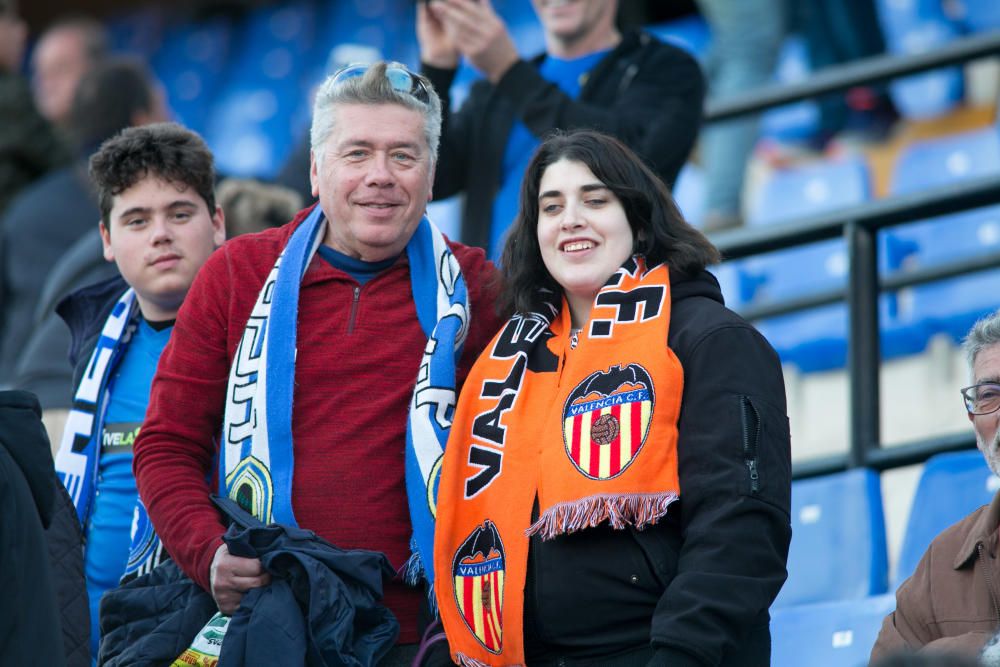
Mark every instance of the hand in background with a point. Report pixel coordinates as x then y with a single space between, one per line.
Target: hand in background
478 33
436 47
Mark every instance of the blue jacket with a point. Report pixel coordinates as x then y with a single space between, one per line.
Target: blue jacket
321 608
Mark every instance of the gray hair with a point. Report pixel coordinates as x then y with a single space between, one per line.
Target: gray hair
984 333
372 88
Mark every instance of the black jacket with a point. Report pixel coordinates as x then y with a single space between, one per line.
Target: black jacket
321 608
647 93
43 368
40 224
29 618
707 574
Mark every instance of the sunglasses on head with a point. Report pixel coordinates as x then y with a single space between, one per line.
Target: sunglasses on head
400 78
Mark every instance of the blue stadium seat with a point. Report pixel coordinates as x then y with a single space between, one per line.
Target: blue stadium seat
838 549
980 15
951 486
950 306
918 26
816 340
257 116
800 120
690 33
828 634
811 189
949 159
689 193
190 63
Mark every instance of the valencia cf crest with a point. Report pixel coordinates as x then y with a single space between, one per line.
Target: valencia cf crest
606 420
479 569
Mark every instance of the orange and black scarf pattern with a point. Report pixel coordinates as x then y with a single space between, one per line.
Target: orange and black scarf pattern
590 432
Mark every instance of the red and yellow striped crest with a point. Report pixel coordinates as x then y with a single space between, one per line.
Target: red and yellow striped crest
478 570
603 432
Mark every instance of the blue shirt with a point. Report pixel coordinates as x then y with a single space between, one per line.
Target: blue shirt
358 269
521 144
109 525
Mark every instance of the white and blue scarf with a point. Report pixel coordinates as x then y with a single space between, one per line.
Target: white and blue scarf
79 450
257 456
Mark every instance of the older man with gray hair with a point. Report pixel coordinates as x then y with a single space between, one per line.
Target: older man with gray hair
314 367
951 602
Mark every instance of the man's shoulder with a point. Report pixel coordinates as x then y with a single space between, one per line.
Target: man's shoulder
957 541
260 247
472 259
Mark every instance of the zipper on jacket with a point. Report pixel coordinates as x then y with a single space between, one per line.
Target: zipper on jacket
989 580
751 436
354 309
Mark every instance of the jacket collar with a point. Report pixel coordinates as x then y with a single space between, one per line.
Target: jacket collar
983 531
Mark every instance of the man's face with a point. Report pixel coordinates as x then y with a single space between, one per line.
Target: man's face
373 179
986 368
574 20
59 62
160 234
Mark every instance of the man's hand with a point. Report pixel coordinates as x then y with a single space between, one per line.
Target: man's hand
477 33
232 576
436 48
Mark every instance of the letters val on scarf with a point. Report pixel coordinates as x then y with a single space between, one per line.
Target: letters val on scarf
591 432
257 456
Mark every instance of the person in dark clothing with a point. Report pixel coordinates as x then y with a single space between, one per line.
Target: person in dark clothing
29 146
632 86
616 487
47 218
28 614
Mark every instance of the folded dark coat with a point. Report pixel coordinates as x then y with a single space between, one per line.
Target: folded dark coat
321 608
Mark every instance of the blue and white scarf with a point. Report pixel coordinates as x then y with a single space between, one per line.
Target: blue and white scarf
79 450
257 456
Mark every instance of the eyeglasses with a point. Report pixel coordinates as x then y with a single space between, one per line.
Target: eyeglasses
982 398
400 78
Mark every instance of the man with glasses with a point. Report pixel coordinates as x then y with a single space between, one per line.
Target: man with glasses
289 381
952 600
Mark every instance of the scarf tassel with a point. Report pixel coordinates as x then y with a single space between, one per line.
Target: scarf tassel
468 661
620 511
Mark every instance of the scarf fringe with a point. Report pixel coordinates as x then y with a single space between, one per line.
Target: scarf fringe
468 661
620 511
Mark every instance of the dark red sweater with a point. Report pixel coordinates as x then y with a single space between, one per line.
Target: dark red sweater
358 353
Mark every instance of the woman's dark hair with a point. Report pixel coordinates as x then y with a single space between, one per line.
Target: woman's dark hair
660 231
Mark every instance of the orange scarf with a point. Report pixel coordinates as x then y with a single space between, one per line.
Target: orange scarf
591 432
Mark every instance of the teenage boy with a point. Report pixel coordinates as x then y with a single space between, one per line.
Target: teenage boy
159 223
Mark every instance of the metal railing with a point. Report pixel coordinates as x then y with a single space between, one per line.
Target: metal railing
859 225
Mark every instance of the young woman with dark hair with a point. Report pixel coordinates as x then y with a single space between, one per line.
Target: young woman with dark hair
615 490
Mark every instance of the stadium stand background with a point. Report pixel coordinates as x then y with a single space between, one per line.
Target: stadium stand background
241 73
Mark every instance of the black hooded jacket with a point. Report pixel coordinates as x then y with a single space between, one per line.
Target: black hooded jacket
30 629
708 572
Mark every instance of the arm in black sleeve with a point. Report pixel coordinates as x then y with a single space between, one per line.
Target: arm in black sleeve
657 112
449 174
734 463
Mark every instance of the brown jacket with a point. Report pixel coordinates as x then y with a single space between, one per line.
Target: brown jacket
952 601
